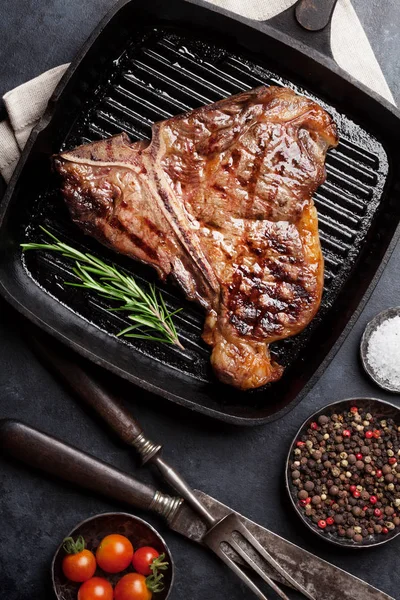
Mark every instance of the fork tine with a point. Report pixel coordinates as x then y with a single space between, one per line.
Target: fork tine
236 569
238 525
257 569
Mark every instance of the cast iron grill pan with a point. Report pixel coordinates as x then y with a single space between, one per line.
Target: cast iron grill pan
164 73
161 71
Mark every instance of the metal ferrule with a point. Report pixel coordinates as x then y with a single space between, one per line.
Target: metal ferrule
146 448
166 506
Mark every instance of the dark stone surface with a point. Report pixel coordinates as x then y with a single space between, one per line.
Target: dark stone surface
37 35
241 467
381 21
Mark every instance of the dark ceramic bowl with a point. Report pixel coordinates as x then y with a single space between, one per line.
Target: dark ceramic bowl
369 330
94 530
377 408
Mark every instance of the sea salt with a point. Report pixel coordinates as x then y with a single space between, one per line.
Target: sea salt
383 353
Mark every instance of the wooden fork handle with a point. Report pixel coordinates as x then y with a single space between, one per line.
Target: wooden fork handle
92 389
88 388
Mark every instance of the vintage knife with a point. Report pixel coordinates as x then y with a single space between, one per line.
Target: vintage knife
320 578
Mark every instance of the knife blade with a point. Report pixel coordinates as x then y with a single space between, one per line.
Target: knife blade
40 450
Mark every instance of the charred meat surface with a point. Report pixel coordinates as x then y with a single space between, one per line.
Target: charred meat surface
221 200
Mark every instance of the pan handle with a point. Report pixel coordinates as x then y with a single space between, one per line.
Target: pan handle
309 22
314 15
53 456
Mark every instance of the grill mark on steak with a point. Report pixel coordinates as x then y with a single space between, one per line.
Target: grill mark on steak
221 200
141 244
235 156
154 229
115 223
257 310
255 171
220 189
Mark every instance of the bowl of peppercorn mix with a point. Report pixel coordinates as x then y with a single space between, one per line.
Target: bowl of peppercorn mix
343 472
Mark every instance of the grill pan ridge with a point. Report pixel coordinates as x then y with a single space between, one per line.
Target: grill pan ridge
151 72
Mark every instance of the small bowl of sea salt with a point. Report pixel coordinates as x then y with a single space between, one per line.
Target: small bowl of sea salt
380 349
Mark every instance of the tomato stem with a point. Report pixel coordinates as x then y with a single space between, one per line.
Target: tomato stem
73 547
154 581
159 564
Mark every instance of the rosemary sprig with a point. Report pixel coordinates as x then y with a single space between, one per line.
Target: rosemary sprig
150 316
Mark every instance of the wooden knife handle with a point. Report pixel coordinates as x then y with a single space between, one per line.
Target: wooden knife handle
49 454
314 15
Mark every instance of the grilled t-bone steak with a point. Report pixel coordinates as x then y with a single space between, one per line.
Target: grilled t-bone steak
221 199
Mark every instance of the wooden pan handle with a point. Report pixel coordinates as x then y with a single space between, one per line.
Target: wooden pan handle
49 454
314 15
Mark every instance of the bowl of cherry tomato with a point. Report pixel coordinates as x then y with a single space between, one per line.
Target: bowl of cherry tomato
113 556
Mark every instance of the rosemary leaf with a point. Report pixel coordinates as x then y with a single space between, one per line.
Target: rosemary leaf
146 308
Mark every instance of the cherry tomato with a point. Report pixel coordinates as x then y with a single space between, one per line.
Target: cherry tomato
96 588
143 558
114 553
132 587
79 564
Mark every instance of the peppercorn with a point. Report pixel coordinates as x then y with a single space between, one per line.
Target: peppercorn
323 420
334 472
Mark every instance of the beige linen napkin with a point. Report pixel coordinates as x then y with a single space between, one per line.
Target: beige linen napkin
350 47
25 105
